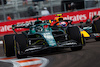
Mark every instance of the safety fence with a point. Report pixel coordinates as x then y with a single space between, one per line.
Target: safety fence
17 9
76 16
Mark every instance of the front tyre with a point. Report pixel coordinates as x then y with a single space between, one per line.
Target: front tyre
76 48
20 45
18 52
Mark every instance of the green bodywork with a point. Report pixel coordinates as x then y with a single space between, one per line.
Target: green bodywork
42 29
46 33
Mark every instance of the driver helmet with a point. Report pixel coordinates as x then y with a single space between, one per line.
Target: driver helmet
63 24
59 19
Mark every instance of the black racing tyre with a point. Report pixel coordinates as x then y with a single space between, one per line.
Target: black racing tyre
19 56
76 48
8 45
96 26
20 46
97 39
83 40
74 33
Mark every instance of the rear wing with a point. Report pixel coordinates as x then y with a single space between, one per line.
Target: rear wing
23 25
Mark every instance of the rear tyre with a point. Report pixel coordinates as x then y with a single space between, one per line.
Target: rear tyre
96 26
8 45
76 48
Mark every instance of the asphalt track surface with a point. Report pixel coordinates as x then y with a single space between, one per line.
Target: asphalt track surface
89 56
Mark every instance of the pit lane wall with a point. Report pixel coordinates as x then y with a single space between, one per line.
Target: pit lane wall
76 16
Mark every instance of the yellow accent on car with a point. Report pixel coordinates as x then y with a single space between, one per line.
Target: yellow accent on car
85 34
15 47
50 21
59 15
82 40
57 18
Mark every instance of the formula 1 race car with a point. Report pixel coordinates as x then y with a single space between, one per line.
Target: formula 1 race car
60 22
93 29
41 36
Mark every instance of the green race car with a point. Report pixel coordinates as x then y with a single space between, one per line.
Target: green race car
41 36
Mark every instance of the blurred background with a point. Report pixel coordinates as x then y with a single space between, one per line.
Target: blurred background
21 9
